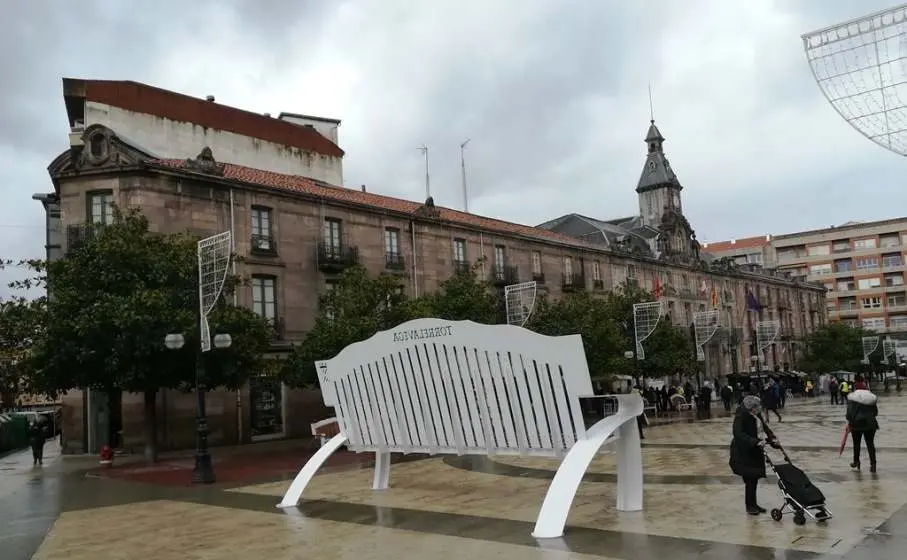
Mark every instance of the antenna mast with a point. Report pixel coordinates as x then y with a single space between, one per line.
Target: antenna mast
463 174
651 105
424 149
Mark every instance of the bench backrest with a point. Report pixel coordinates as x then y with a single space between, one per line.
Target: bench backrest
436 386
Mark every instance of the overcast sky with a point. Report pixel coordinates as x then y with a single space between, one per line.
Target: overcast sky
553 96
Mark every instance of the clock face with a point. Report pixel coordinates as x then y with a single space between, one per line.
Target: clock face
651 166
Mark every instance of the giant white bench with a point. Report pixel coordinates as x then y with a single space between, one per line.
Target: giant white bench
458 387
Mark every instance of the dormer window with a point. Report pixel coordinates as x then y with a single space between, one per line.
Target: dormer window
97 145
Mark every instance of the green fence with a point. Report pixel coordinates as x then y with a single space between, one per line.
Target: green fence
13 434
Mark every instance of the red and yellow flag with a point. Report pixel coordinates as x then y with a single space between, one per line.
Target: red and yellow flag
716 303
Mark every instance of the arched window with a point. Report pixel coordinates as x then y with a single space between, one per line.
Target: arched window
97 145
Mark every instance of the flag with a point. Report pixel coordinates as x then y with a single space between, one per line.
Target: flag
657 290
715 302
752 304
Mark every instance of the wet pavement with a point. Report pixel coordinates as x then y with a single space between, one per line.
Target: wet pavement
456 507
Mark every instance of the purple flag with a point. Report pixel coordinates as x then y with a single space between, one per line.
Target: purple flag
752 304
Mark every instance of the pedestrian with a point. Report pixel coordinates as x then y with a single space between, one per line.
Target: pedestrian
37 435
641 420
704 402
860 383
747 457
770 400
833 388
844 388
727 395
782 385
862 413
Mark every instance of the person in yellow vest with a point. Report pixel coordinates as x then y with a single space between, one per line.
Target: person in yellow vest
809 388
845 390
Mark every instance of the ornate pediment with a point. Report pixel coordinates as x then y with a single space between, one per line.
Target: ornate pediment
205 163
97 149
428 210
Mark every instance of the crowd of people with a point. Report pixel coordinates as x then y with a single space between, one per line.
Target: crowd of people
747 458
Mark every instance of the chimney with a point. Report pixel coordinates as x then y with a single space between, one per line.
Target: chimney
267 114
363 188
210 99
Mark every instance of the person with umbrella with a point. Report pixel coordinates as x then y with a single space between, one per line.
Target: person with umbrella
37 435
862 413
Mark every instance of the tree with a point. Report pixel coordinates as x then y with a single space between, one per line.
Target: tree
592 317
835 346
114 299
20 322
463 296
358 307
669 351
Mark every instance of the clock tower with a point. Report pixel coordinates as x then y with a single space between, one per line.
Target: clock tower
658 187
660 205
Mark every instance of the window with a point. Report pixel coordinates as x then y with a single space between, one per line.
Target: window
332 234
892 280
860 244
459 250
898 321
100 207
754 258
596 272
874 323
890 240
568 267
867 262
261 228
631 273
846 304
392 241
264 294
869 283
896 300
536 262
830 286
329 287
841 246
820 269
818 250
499 256
892 261
843 266
871 303
846 286
96 145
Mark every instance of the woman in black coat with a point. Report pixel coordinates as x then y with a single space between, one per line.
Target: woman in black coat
862 410
747 457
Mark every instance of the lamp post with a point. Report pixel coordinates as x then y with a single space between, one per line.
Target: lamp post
630 355
203 473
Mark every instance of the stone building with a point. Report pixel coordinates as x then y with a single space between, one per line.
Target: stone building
276 183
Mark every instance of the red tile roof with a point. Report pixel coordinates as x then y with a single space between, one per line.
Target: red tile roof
142 98
311 187
745 243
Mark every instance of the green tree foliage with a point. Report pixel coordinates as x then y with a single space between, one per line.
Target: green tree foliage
836 346
361 305
20 324
358 307
593 318
114 299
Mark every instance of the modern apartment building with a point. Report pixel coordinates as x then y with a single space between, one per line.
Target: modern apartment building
275 182
860 264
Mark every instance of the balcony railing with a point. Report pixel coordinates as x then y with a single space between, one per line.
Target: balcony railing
334 257
394 261
461 267
78 235
598 284
575 282
501 275
538 277
263 244
278 329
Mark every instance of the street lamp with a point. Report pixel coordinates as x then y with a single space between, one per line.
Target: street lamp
630 355
204 470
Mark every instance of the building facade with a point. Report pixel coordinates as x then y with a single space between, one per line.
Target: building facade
297 231
860 265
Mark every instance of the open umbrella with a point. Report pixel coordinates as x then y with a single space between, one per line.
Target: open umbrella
844 439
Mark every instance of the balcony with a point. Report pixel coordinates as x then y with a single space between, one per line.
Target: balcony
278 329
263 245
78 235
335 257
538 277
598 284
461 267
394 261
574 282
502 275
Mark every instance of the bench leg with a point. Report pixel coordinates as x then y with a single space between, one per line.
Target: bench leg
629 468
294 493
553 515
382 470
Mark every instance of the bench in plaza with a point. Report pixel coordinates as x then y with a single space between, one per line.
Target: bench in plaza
457 387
